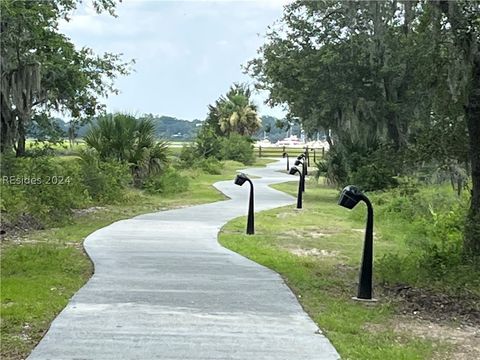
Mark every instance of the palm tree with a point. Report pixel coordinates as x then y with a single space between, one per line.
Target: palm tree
235 112
124 138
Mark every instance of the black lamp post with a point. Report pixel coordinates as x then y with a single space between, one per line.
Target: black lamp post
304 159
349 198
293 171
240 180
302 162
288 160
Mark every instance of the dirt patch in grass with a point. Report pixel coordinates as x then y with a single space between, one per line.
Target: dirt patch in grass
307 233
287 215
429 305
22 225
363 232
464 339
313 252
89 210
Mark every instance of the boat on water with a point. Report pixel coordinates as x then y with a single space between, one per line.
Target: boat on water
292 140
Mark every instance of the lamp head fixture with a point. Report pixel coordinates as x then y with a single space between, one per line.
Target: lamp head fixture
240 179
350 197
294 170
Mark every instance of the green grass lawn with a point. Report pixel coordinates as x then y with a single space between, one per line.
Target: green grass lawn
42 270
317 250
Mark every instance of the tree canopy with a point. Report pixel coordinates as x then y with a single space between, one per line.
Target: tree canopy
234 113
41 70
396 82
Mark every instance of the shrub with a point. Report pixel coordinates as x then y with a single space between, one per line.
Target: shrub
207 143
124 138
372 177
432 221
105 180
238 148
322 169
42 188
170 182
188 156
336 168
210 165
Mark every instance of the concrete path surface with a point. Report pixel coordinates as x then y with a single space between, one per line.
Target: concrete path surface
164 288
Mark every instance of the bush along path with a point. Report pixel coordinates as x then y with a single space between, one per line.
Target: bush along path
164 288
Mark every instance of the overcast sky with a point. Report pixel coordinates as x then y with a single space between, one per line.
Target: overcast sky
187 53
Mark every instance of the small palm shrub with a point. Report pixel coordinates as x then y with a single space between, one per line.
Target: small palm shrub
123 138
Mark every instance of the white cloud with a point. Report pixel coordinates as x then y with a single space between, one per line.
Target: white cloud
173 43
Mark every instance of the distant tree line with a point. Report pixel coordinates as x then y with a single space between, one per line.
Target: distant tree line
166 127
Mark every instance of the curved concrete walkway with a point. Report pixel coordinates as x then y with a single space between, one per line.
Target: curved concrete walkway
164 288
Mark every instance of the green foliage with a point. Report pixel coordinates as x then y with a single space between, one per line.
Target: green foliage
432 225
36 79
124 138
169 182
372 177
207 142
210 166
105 180
234 113
208 145
188 156
336 168
367 166
322 169
42 189
238 148
406 73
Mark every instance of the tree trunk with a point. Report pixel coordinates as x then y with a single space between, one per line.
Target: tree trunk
5 133
472 111
8 126
20 151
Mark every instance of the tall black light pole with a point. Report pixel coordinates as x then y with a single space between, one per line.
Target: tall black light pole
304 159
302 162
293 171
240 180
288 160
349 198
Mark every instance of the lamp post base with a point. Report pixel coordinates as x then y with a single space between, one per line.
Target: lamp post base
364 300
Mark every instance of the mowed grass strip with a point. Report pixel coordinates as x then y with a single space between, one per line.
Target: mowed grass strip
317 251
41 270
